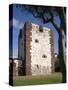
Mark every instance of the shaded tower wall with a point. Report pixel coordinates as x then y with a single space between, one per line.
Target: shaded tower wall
21 53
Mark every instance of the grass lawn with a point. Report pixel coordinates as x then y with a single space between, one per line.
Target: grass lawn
36 80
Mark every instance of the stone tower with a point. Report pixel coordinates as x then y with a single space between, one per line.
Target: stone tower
35 50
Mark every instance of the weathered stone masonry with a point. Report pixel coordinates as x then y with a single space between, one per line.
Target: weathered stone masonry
38 50
52 52
28 56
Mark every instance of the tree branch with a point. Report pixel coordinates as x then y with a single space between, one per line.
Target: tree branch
56 27
41 15
62 17
46 20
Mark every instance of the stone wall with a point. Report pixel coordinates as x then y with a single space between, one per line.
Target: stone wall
41 52
27 31
52 53
38 50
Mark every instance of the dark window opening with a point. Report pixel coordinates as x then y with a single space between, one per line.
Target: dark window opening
44 56
40 29
36 40
37 66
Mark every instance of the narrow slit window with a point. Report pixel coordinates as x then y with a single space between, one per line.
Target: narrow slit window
37 66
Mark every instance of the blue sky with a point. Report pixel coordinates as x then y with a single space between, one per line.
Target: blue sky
20 17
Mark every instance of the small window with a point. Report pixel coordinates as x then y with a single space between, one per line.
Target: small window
37 66
40 29
36 40
44 56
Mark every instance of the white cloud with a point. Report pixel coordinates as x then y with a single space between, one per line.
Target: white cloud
15 53
16 23
21 25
